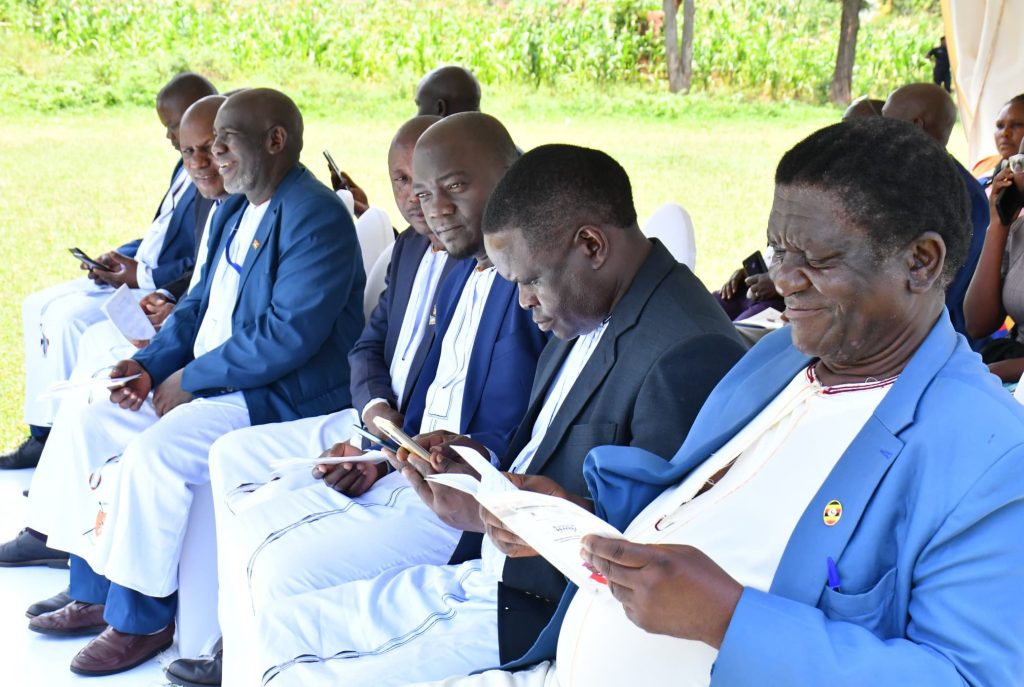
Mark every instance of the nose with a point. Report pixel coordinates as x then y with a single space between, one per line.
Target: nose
527 297
788 276
218 147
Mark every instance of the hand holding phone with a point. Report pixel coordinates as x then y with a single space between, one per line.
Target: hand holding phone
87 261
336 172
404 440
754 264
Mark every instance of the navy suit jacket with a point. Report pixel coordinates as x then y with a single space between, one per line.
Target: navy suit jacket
298 311
501 365
928 547
957 288
370 358
177 255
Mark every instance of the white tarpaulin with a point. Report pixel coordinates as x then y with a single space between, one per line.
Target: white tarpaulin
987 62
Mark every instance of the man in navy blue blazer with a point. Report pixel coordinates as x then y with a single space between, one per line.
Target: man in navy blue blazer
54 319
262 338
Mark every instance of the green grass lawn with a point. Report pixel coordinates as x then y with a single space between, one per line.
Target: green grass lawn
93 178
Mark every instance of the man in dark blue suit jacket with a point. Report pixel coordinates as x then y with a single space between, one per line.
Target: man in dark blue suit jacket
263 338
53 319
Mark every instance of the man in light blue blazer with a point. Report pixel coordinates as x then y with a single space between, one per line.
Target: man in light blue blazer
847 507
262 338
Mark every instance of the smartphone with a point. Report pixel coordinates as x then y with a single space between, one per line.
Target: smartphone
374 439
86 260
1008 203
404 440
334 168
754 264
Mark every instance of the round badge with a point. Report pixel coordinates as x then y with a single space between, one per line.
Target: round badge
833 511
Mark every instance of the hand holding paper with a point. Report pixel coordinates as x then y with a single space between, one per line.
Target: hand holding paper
128 316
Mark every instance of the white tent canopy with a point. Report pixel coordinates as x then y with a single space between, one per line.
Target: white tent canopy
987 62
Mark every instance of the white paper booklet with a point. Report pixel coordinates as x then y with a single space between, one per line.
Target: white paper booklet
128 316
93 384
551 525
769 318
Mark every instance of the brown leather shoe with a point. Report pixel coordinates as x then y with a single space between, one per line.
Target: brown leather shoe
74 620
115 652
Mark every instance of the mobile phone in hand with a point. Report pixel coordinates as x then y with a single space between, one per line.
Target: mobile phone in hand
334 168
754 264
1008 203
87 261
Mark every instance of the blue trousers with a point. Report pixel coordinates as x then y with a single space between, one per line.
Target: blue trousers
126 610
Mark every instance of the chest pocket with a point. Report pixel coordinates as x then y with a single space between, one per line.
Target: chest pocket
872 609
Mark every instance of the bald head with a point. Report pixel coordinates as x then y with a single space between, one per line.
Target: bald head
456 164
924 105
448 90
259 138
176 96
863 106
196 137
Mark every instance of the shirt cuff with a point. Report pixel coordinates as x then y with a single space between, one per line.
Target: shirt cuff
373 402
168 296
144 276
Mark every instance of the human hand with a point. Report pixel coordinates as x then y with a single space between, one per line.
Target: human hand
157 308
105 259
131 395
359 200
732 287
761 286
1000 181
124 271
504 539
169 395
351 479
666 589
381 410
454 507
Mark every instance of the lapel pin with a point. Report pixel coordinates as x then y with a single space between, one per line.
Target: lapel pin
833 511
255 244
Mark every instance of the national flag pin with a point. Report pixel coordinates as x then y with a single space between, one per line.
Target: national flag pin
255 244
833 511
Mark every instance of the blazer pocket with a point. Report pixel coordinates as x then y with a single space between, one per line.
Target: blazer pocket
871 609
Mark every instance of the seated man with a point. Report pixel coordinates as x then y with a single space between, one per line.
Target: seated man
639 345
53 319
352 522
850 490
448 90
929 107
261 339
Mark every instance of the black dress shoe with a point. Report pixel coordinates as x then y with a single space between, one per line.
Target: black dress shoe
195 672
25 550
25 456
54 603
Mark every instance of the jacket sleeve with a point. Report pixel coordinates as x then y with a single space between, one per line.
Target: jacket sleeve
371 374
965 611
318 266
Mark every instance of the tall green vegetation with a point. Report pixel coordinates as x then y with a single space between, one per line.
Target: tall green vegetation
77 52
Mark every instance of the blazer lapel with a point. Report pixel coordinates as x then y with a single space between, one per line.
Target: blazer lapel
544 377
493 317
259 241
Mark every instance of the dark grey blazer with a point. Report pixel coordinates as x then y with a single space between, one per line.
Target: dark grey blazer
667 345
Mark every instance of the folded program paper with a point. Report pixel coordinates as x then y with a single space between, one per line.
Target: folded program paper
128 316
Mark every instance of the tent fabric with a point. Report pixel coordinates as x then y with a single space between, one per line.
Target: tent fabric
987 63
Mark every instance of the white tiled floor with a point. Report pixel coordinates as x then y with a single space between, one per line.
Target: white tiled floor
28 658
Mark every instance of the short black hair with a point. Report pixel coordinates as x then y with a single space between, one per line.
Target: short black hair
891 179
560 187
1016 100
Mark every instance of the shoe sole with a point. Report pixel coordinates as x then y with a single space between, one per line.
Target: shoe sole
115 671
39 562
77 632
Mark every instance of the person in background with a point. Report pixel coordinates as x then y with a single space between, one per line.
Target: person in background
1008 135
939 55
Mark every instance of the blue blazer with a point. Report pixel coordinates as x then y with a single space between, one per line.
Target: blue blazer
370 358
928 548
298 312
178 254
501 365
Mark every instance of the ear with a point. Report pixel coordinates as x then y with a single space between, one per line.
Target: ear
926 256
441 108
277 138
592 244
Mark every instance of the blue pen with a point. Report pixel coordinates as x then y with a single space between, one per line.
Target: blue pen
833 574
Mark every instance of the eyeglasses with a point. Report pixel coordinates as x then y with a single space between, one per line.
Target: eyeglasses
1016 163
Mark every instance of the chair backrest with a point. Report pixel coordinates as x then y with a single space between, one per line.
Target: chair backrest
375 234
1018 393
375 280
671 224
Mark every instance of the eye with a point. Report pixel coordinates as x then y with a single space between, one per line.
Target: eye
457 186
423 195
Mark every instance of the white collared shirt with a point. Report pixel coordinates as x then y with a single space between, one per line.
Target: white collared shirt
148 252
204 249
215 328
443 409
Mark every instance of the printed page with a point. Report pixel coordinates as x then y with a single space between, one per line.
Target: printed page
128 316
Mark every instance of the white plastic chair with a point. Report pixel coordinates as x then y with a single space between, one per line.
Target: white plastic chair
1018 393
671 224
375 234
375 280
197 628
